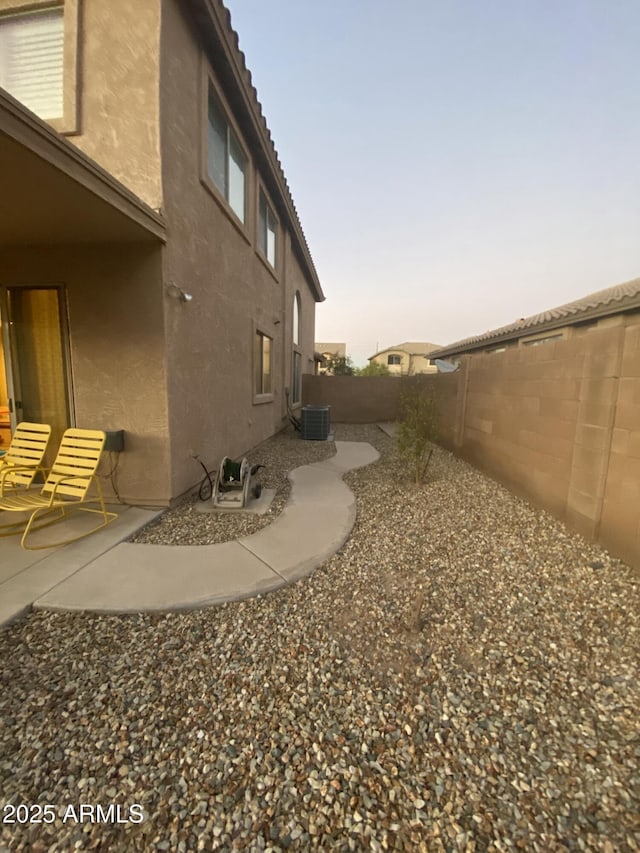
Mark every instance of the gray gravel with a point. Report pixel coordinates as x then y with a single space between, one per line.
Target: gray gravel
462 676
184 525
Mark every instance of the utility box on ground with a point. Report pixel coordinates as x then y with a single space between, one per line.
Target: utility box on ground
315 422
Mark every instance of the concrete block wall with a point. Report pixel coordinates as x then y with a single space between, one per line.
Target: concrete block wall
376 399
620 517
558 423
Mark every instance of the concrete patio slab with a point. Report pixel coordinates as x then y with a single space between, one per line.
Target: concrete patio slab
27 575
303 537
133 577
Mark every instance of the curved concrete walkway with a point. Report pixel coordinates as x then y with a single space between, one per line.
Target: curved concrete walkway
315 523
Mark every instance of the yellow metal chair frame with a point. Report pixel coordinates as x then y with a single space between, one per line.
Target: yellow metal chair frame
23 459
66 488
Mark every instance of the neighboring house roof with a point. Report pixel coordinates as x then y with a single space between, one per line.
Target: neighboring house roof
602 303
410 347
229 61
334 348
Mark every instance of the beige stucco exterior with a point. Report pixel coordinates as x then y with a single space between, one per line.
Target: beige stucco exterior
405 359
119 107
144 224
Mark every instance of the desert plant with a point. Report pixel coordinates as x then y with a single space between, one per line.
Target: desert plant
373 369
417 428
339 365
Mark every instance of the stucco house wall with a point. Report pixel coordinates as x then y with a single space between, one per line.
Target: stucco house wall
116 342
216 259
119 106
140 112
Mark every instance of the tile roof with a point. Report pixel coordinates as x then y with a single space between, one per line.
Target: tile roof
612 300
214 11
336 348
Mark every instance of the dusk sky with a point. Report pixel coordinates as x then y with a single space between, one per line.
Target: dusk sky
456 164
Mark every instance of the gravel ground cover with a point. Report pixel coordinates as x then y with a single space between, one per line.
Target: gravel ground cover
184 525
462 676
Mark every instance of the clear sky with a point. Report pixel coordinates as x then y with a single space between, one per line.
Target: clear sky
456 164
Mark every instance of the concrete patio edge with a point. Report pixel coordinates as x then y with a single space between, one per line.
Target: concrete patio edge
315 523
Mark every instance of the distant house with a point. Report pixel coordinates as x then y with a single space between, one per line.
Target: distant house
557 324
329 351
406 359
154 275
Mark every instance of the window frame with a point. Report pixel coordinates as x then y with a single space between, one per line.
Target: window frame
260 395
296 378
296 319
68 123
296 351
210 88
263 249
397 363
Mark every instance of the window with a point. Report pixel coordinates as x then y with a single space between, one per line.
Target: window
226 163
296 377
394 359
296 364
267 224
31 60
296 319
262 363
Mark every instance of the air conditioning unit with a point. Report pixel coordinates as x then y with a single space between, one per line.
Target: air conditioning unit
315 423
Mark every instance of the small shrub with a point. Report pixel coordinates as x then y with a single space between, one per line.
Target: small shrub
417 429
373 369
339 365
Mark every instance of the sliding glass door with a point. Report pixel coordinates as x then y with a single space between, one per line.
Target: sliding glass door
36 364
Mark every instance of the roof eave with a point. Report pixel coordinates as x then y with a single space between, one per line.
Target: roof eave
220 19
25 128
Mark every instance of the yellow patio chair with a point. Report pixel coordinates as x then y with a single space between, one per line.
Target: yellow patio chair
66 489
23 459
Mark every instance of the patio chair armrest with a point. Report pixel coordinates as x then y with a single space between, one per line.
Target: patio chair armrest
68 480
8 468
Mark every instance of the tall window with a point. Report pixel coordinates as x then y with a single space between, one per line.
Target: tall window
262 363
267 225
296 365
226 163
296 319
31 60
296 377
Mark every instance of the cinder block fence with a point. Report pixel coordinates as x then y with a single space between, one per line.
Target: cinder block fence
557 423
